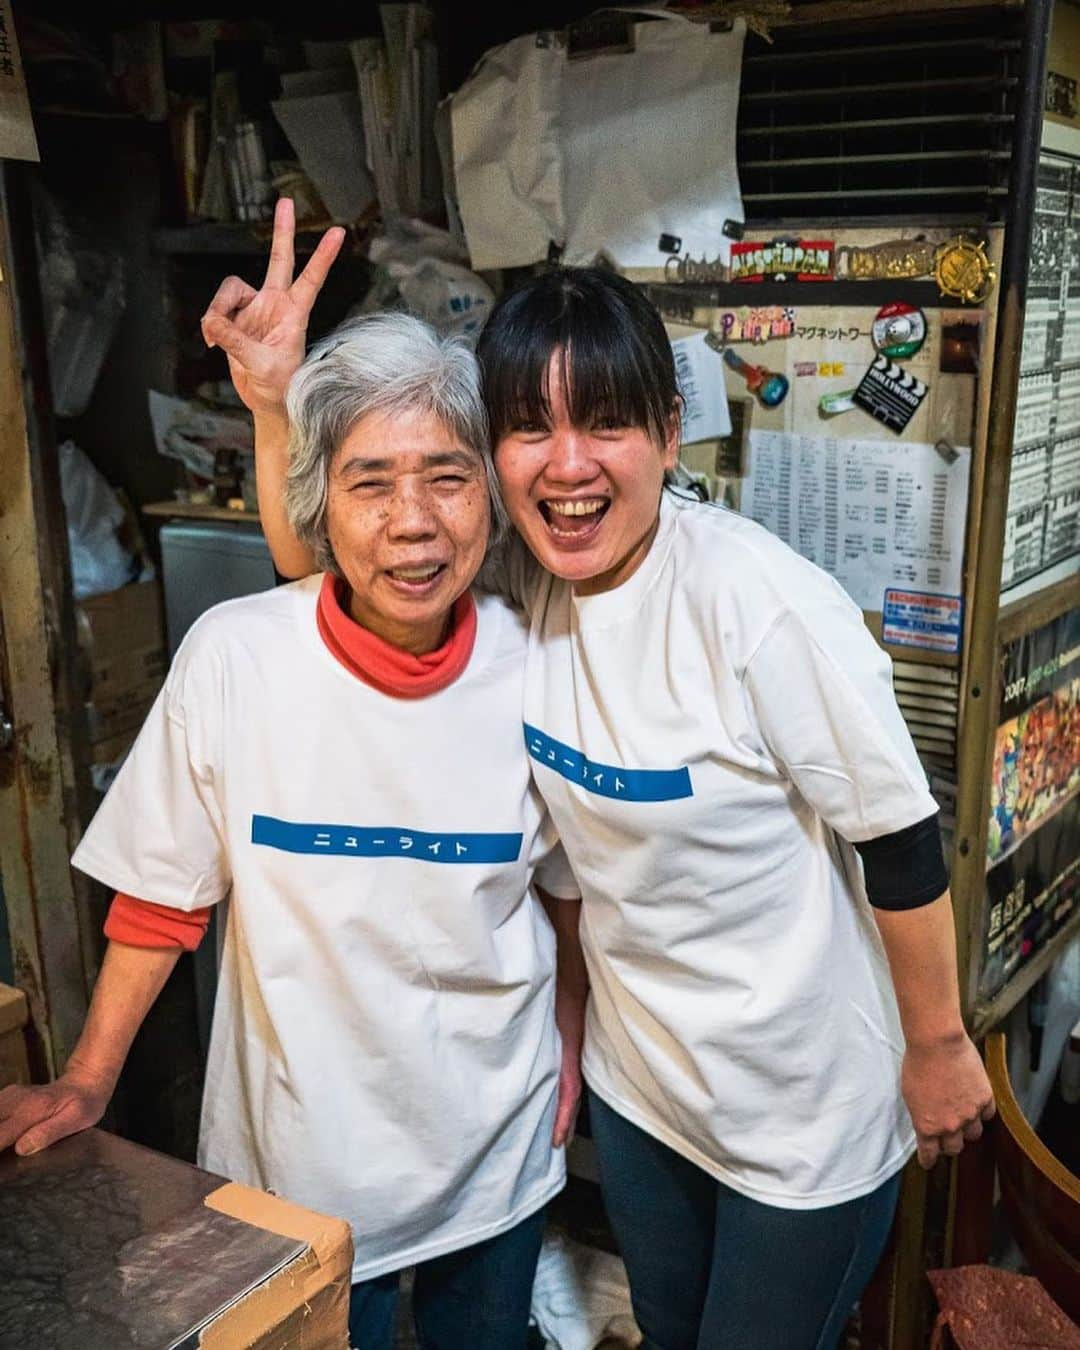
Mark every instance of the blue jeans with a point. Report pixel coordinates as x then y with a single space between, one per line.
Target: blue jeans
711 1269
477 1298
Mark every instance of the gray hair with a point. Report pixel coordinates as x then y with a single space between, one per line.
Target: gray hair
388 363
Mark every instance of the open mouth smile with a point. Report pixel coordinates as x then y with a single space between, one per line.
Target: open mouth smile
574 520
417 580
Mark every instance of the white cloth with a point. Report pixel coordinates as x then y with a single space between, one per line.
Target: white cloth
702 734
603 154
581 1297
383 1045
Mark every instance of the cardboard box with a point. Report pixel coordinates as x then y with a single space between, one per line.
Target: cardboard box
14 1015
305 1306
107 718
123 633
162 1253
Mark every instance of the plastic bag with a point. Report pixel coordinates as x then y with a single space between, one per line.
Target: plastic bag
424 270
581 1296
99 562
82 289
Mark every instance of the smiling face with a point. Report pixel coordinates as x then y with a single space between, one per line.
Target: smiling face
408 517
586 498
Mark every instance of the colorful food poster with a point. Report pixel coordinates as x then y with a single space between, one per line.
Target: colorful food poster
1034 840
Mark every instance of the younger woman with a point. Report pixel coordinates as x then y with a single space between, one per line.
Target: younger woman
773 1029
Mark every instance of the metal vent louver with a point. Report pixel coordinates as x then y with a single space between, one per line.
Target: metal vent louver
929 699
891 120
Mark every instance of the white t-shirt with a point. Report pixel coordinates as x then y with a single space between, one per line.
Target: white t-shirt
706 735
384 1045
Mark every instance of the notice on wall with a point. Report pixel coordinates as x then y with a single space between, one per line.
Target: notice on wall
880 516
1042 526
705 414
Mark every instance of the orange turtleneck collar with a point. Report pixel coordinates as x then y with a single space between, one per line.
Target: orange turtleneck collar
382 665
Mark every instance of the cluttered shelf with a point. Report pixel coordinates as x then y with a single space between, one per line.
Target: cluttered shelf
198 511
234 237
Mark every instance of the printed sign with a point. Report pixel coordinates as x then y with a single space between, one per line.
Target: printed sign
890 394
782 260
1032 884
756 325
919 619
1037 745
1030 895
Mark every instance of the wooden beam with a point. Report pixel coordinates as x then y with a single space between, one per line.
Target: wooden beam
43 916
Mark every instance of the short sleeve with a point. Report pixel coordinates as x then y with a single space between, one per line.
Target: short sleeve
159 833
821 694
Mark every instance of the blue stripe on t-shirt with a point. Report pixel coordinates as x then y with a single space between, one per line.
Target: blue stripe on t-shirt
607 780
391 841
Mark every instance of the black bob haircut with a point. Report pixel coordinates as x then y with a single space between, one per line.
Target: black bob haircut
618 362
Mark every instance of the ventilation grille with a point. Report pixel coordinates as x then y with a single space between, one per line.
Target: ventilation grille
894 120
929 698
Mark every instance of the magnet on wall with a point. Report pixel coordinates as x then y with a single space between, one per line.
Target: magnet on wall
831 405
669 243
770 387
733 229
898 329
962 270
889 393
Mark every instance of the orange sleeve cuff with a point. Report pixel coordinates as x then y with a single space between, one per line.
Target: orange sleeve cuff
138 923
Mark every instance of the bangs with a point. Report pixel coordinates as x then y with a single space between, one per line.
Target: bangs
614 368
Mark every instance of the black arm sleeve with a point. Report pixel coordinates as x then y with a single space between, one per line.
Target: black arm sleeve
907 869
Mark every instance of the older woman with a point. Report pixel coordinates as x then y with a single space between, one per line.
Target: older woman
342 758
774 1027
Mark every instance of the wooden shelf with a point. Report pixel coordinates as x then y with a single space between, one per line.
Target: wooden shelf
194 511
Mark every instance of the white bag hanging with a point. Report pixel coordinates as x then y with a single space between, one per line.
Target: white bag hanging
602 154
506 154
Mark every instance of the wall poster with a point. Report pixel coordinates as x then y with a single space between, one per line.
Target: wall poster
1033 851
1042 525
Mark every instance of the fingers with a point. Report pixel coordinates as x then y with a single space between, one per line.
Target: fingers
232 295
23 1109
69 1118
952 1144
973 1130
566 1108
929 1150
279 270
309 283
220 331
989 1110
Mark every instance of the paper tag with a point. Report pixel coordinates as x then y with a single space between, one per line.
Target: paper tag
705 412
921 619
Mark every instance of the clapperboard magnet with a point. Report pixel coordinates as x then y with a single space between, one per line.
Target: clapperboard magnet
889 393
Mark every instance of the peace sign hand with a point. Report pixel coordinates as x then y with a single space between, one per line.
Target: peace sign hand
263 332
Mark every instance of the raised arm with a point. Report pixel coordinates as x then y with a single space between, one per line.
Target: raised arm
263 333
